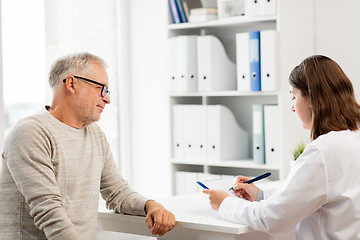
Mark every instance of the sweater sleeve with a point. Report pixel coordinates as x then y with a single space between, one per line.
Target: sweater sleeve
27 155
297 199
116 191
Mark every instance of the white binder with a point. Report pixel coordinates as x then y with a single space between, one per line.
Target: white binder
185 182
269 58
272 135
215 70
178 132
253 8
242 62
173 80
179 183
268 7
200 132
190 182
226 139
258 134
187 63
189 133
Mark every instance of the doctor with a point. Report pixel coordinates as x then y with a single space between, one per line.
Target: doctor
321 196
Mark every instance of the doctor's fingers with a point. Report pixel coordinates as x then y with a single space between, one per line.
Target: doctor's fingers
242 186
241 179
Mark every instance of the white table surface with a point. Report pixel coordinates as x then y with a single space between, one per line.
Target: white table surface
193 214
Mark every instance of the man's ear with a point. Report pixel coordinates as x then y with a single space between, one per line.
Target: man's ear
70 84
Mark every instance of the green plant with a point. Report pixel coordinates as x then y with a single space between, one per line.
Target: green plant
298 150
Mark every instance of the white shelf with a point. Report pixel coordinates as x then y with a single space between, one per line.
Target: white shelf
231 21
239 102
245 163
223 94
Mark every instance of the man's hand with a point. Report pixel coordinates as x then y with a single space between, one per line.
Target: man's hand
158 219
216 197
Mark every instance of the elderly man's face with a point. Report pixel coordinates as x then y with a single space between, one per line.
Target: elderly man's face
89 103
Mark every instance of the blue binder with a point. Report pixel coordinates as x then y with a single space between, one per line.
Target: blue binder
181 11
254 54
174 11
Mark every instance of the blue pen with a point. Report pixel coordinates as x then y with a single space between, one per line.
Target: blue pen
200 183
255 179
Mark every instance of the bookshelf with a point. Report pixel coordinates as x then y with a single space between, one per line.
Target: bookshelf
240 103
224 23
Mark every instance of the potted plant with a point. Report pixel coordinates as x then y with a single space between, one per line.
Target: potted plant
297 151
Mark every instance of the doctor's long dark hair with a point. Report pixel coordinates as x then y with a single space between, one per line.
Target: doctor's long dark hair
331 95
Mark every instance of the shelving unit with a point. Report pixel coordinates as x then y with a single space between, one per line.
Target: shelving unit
225 22
240 103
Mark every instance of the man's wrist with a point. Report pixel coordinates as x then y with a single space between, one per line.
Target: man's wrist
148 204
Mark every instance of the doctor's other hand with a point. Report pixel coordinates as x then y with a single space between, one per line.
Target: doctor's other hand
216 197
158 219
245 190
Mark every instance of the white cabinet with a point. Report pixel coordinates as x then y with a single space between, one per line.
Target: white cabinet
240 102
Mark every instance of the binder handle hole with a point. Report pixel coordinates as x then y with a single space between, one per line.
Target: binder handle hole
254 75
177 145
272 149
257 148
204 77
189 145
182 76
201 146
172 78
213 147
192 76
268 74
243 76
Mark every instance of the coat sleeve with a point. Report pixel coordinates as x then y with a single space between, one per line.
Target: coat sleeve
304 191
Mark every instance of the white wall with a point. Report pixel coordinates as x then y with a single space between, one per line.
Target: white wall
149 98
2 120
297 42
337 35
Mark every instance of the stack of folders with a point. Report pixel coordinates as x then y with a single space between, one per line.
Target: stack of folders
200 63
266 134
257 8
256 60
203 14
207 133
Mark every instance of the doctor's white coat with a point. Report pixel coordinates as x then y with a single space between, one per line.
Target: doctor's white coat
320 198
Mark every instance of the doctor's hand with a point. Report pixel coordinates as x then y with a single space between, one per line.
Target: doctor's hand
245 190
158 219
216 197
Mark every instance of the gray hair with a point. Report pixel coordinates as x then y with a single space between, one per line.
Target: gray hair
76 63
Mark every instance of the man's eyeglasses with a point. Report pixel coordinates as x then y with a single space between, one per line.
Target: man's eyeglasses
104 88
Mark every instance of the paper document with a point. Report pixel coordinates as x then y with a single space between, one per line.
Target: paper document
219 184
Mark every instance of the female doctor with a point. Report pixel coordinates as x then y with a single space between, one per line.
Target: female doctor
320 198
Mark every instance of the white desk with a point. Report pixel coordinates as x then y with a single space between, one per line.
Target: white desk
194 220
